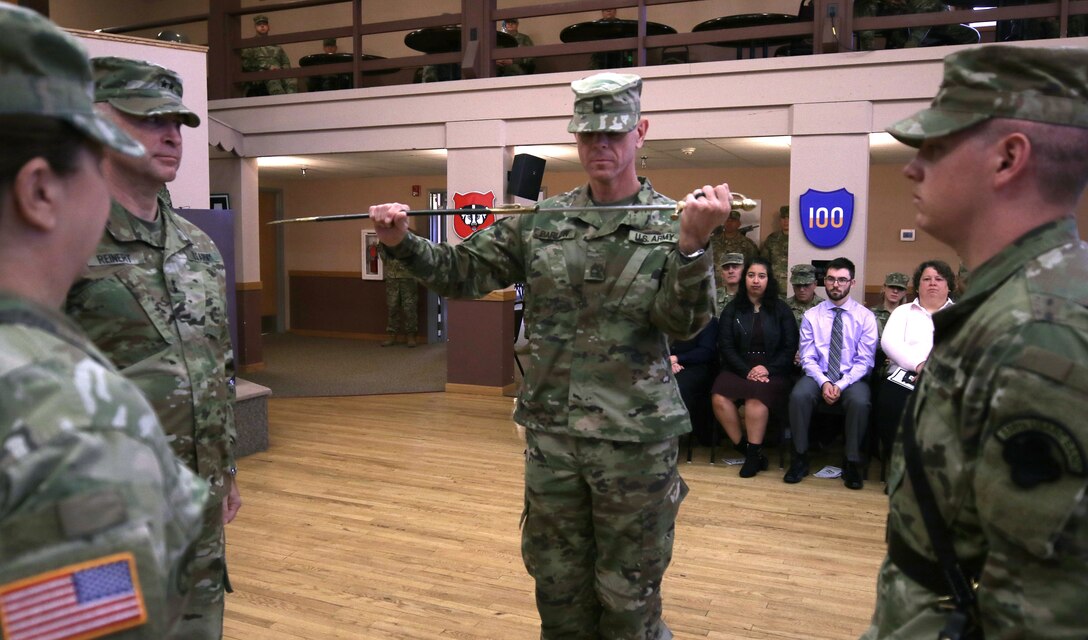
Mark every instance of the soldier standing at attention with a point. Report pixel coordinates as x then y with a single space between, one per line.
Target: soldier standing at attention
776 250
90 492
266 58
401 301
891 296
988 480
604 292
729 239
153 297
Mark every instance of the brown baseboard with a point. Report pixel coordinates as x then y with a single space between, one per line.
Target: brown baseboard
480 390
338 334
251 367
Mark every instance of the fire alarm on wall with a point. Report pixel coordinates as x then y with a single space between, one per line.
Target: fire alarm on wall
415 190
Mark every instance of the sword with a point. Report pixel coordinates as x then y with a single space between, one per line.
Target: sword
737 201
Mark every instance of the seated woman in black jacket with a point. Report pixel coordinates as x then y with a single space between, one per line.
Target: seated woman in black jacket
757 338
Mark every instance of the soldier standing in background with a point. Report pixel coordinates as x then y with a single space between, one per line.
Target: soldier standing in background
803 279
891 296
729 239
153 297
602 489
988 482
401 301
90 492
776 250
266 58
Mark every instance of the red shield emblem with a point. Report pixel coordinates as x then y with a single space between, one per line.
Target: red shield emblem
471 221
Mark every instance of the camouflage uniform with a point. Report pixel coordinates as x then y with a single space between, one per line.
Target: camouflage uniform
519 66
893 279
153 298
776 250
724 296
722 245
267 57
895 38
602 409
998 410
90 492
85 471
401 297
802 274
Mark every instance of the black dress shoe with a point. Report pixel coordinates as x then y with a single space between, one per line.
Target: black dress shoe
851 476
798 469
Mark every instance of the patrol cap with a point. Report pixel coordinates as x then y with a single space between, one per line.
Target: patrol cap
140 88
802 274
46 73
1002 81
260 19
732 258
606 102
784 211
328 42
896 279
734 214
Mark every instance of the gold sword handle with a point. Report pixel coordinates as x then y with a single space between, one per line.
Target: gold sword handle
736 201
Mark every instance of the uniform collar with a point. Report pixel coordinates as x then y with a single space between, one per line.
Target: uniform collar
123 226
607 222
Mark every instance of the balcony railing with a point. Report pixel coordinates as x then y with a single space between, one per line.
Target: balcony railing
819 27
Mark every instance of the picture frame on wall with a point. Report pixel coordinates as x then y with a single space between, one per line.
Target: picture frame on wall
220 201
372 263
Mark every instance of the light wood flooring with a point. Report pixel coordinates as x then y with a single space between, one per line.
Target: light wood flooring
396 517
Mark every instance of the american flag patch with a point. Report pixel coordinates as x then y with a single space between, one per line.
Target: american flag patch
78 602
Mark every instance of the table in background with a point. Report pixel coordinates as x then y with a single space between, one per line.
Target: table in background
796 44
610 30
446 39
336 81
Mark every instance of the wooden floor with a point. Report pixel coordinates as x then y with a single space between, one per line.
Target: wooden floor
396 516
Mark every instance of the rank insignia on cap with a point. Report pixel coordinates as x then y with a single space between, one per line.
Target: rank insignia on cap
1038 450
85 600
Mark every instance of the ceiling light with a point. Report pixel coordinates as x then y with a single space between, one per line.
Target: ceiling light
688 151
280 161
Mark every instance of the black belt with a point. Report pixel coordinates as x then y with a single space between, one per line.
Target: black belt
924 571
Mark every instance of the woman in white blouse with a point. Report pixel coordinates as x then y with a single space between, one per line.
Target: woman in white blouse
907 341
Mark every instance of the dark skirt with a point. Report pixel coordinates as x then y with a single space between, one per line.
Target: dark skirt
772 393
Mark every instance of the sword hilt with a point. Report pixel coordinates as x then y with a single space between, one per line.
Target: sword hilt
736 201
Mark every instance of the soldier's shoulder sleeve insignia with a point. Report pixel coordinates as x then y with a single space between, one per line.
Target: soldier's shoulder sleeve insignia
1039 450
85 600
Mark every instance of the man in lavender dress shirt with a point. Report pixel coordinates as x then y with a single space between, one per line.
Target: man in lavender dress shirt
836 362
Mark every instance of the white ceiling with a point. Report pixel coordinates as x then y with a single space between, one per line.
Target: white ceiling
660 154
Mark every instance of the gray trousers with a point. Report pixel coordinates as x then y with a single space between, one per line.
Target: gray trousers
855 403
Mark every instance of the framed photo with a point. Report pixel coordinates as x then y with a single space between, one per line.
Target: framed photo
220 201
372 263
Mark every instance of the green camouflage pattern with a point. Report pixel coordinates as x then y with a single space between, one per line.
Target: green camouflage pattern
799 308
519 66
802 274
721 245
604 292
897 279
260 19
776 250
85 470
266 58
1003 81
140 89
617 499
882 316
606 102
155 303
723 298
46 73
401 296
1000 426
895 38
732 258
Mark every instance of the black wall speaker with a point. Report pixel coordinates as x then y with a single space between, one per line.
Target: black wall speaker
523 179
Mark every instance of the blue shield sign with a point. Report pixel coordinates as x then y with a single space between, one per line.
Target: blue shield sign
826 216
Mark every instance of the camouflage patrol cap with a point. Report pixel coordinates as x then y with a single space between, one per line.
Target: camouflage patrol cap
802 274
732 258
260 19
606 102
784 211
328 42
1001 81
734 214
140 89
46 73
896 279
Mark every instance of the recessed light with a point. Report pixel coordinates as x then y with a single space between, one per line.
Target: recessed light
687 151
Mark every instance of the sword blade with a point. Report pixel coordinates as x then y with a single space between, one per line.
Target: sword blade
506 210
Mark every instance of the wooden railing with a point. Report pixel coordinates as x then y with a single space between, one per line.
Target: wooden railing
829 25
